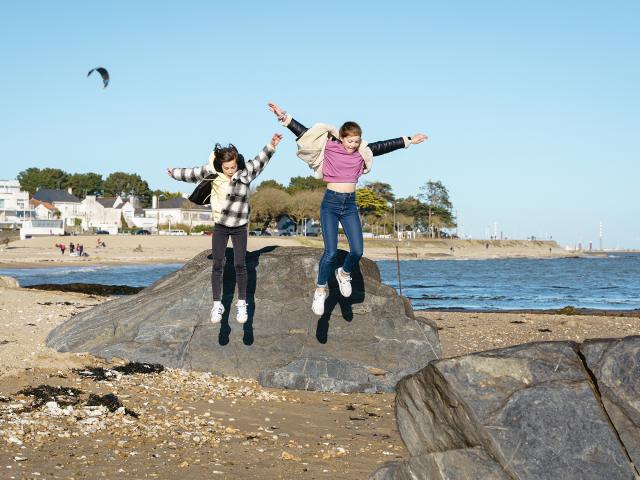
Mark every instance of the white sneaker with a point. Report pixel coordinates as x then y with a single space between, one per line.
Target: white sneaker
344 282
318 302
216 312
241 311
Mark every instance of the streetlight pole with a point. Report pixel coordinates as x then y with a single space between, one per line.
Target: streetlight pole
394 218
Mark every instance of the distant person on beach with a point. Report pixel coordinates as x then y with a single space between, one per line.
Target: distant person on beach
229 177
339 157
72 247
62 247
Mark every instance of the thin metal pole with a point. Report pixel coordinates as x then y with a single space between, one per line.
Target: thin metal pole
398 264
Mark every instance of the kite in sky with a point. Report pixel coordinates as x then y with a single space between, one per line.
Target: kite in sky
103 73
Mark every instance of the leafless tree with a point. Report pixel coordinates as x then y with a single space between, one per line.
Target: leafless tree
268 203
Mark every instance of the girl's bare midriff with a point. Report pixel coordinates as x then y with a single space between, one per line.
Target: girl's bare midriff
342 187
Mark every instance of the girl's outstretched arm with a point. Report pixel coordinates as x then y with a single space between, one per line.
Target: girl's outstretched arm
254 167
287 120
387 146
192 175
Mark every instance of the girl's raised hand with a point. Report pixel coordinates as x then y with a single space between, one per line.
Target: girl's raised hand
275 140
170 172
277 111
418 138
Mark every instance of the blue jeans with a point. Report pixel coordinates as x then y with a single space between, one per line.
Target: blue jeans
339 207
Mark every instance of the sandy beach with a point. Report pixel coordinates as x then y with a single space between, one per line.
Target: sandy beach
194 424
197 425
132 249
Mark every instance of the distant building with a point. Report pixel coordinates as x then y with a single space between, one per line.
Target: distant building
14 204
43 210
32 228
311 227
178 210
102 213
65 202
286 226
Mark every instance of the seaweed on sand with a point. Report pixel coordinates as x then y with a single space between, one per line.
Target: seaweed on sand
111 401
42 394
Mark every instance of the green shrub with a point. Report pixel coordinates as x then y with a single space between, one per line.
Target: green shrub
202 228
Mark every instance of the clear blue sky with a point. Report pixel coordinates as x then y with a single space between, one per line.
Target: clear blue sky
530 106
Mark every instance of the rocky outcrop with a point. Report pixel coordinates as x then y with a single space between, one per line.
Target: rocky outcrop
8 282
463 464
88 288
364 343
537 411
615 366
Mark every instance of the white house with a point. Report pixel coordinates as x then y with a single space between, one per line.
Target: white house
135 217
65 202
42 210
102 213
14 204
41 227
178 210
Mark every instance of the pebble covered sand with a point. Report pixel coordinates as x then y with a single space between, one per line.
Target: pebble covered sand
170 424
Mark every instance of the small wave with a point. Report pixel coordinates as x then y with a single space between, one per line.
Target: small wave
418 285
462 297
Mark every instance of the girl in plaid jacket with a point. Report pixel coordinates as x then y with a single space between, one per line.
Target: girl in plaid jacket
230 178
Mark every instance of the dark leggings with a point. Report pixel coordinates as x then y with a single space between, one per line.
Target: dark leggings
219 241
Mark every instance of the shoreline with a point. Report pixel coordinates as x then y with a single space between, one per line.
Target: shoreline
40 252
81 264
4 265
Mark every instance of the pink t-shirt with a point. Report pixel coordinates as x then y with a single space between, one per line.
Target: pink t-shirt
340 166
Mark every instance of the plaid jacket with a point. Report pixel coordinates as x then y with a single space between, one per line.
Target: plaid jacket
235 211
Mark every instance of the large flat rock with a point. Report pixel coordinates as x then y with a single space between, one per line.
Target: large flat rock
615 366
531 408
466 464
364 343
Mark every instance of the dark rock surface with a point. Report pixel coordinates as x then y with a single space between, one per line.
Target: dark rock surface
615 365
364 343
464 464
533 409
88 288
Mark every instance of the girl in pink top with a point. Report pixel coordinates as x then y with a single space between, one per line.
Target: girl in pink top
339 158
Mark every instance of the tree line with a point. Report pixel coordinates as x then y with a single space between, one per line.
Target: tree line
430 210
82 184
